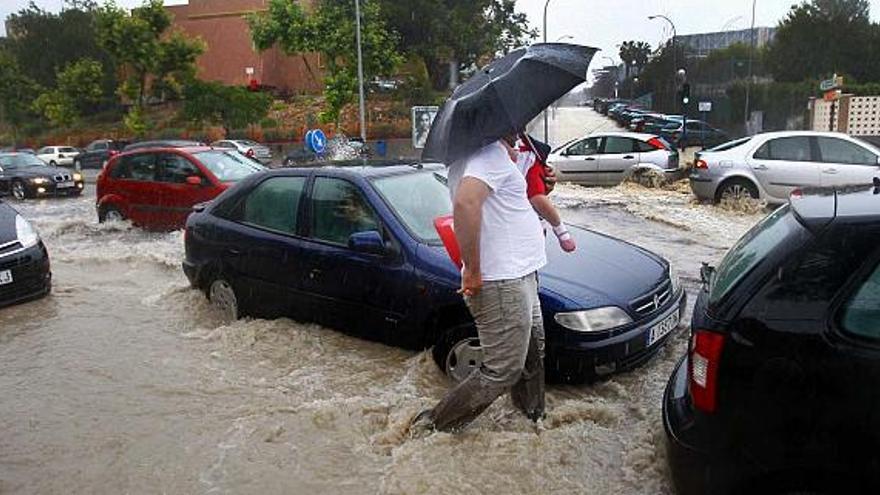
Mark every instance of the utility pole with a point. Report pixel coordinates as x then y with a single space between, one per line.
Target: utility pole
546 125
357 14
751 56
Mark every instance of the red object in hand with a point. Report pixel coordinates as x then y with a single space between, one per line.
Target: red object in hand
446 228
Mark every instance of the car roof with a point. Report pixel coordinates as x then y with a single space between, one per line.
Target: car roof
187 149
634 135
362 167
818 207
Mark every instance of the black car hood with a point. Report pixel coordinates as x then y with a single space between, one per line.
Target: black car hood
7 223
46 171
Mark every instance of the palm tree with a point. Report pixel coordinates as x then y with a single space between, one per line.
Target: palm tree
634 53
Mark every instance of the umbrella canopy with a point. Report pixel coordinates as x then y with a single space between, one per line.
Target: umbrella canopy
503 97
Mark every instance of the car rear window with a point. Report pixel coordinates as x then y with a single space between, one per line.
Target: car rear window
226 166
751 250
861 313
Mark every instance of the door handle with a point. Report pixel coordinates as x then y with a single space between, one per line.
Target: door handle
831 171
591 159
760 167
233 251
628 157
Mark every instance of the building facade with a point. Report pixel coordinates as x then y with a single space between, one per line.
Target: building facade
705 43
230 56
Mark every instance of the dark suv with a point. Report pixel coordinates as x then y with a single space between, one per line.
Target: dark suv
780 389
98 153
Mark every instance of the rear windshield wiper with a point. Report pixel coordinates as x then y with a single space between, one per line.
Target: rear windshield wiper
707 275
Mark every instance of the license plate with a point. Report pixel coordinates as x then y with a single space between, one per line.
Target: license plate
660 330
5 277
65 185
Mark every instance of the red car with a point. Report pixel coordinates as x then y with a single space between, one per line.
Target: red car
157 188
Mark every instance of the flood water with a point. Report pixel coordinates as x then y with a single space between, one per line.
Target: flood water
125 380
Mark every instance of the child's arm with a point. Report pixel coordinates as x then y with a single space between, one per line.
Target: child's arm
542 204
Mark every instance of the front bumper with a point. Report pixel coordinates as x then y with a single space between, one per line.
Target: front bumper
52 189
31 276
581 357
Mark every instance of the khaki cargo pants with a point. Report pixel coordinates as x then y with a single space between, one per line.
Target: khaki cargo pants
508 318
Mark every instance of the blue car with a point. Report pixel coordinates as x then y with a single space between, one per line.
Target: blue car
352 246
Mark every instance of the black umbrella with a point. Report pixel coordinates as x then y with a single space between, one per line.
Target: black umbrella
503 97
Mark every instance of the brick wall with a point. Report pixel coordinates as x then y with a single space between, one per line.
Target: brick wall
222 26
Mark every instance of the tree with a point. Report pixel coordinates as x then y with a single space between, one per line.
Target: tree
17 93
330 30
634 54
79 88
232 107
45 42
820 37
454 33
150 57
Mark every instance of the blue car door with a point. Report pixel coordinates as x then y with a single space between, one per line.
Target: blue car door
359 293
265 247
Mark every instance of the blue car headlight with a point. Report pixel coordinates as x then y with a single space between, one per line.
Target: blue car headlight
25 232
594 320
674 279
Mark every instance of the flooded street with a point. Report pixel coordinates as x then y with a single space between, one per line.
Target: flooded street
125 380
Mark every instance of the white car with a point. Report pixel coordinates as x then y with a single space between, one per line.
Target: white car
769 166
58 155
248 148
609 158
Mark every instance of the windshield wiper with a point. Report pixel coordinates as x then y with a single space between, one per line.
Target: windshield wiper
707 275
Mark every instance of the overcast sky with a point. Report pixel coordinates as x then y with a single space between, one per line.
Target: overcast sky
602 24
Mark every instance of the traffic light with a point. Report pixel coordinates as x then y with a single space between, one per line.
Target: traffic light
685 94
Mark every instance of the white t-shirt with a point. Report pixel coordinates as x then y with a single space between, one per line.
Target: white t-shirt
511 238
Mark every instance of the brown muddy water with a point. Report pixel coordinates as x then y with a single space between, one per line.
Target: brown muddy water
125 380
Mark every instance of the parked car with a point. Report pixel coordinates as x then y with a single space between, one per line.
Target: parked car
23 175
299 156
657 126
248 148
698 133
771 165
639 122
609 158
156 188
98 153
58 155
352 246
778 392
163 143
24 261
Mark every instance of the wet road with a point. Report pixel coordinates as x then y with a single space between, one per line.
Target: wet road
124 380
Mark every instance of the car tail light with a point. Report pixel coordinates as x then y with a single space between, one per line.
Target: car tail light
250 153
701 164
705 357
657 144
114 152
797 194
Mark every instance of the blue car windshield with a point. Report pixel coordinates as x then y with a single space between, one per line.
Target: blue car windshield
417 199
228 167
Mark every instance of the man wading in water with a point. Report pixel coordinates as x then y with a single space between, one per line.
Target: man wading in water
502 248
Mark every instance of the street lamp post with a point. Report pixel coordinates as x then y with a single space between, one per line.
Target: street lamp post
546 125
751 54
674 54
357 14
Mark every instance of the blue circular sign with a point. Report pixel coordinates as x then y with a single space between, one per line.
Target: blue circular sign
316 140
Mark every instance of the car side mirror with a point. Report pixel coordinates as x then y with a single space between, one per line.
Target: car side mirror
369 242
194 180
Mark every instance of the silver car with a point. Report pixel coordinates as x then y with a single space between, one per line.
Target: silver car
771 165
248 148
609 158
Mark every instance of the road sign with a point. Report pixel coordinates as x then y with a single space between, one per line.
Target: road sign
833 83
705 106
316 140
